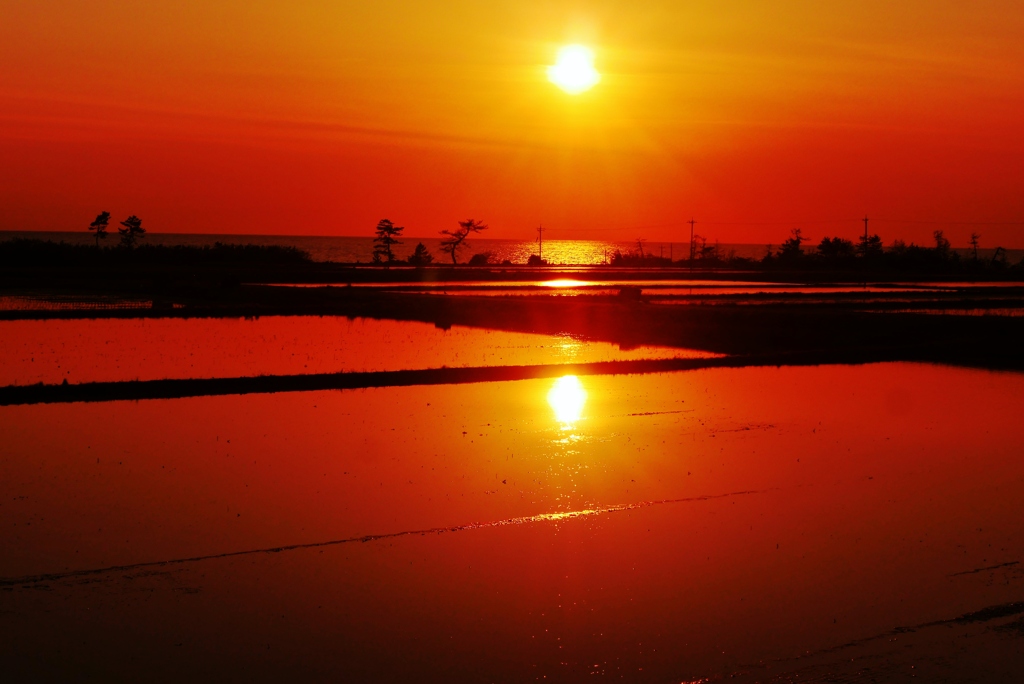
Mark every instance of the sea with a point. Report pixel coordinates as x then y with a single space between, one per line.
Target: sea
359 249
348 249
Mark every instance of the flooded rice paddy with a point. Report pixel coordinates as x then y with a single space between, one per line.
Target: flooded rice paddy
91 350
834 522
70 303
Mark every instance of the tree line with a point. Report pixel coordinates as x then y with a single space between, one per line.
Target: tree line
31 253
387 233
131 230
832 254
868 250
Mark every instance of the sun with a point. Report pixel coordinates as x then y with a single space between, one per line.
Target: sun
573 70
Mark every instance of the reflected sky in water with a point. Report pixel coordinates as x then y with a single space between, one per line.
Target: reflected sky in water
789 509
52 351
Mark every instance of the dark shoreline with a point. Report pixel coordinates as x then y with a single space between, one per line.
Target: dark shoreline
137 390
747 333
840 326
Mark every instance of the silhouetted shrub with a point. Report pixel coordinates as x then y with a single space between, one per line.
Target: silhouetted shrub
638 258
420 256
870 247
835 249
791 251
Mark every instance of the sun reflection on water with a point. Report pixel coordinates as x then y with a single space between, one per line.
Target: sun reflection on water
568 347
567 398
564 282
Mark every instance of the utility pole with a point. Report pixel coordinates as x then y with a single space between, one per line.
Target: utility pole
866 251
540 242
691 244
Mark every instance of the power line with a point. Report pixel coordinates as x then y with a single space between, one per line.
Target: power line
953 223
710 223
779 223
854 221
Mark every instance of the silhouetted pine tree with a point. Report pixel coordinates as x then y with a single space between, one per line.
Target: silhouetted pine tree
132 230
387 235
100 226
420 256
456 239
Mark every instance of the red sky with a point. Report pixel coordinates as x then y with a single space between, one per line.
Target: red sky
316 118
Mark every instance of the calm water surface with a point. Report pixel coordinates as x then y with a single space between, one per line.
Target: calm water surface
649 528
52 351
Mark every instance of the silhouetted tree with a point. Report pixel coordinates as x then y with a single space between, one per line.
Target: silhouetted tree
975 238
455 240
999 258
420 256
131 231
535 260
869 247
480 259
835 248
941 244
638 258
698 245
100 226
791 249
708 253
387 235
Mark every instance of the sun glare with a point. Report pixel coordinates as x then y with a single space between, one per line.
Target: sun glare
573 70
567 397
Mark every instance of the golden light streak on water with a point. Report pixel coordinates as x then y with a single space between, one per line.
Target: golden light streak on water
564 282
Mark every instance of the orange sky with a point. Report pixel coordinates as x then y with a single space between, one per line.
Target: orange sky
317 117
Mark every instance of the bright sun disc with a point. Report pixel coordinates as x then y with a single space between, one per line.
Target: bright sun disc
573 70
